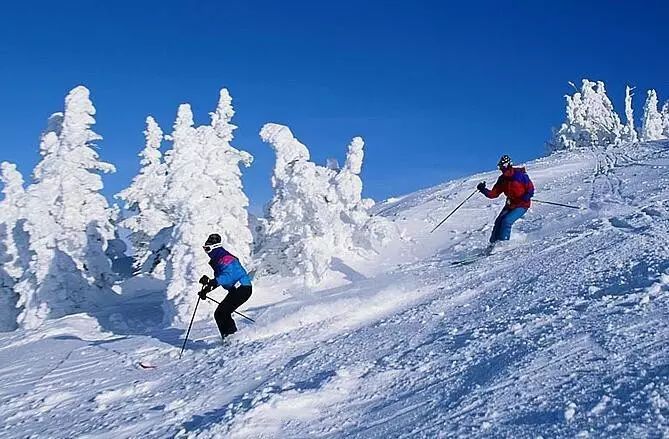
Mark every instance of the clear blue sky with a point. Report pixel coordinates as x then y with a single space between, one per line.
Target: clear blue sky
438 89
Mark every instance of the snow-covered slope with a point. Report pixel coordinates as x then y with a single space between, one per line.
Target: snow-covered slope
563 332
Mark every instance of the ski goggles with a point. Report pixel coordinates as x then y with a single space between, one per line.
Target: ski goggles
210 247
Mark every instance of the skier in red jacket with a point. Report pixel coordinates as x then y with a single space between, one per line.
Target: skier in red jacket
519 190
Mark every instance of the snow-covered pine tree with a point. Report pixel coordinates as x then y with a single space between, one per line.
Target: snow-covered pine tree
67 219
12 264
204 195
231 218
144 198
665 120
629 132
8 297
591 120
184 169
302 223
347 182
316 212
652 124
367 233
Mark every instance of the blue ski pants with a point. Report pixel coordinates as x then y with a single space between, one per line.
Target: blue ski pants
503 223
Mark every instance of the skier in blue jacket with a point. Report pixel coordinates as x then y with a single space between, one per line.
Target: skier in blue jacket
228 273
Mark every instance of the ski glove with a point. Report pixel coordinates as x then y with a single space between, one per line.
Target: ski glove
212 284
203 293
481 186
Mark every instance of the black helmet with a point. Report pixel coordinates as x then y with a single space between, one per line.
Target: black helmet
504 162
212 242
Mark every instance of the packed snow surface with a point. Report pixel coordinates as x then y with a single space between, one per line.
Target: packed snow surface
562 332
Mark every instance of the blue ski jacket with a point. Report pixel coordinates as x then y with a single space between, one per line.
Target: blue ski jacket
227 269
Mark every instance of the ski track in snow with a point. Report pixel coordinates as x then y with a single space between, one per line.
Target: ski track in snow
561 333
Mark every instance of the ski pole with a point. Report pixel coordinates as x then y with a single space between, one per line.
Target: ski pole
556 204
189 326
236 312
454 210
247 318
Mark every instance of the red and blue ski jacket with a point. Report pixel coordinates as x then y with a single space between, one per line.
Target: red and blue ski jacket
227 268
516 185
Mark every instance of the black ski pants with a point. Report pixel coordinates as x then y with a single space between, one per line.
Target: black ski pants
223 314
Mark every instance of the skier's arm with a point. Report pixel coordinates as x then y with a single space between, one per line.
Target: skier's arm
496 190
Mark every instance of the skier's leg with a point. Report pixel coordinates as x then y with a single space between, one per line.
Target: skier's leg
242 294
223 314
507 222
494 236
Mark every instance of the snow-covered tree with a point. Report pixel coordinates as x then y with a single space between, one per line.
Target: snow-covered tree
300 231
226 180
629 132
665 120
8 297
367 232
591 120
316 212
652 124
12 264
144 198
204 195
67 219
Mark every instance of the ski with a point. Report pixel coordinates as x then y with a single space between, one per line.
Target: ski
469 260
145 365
